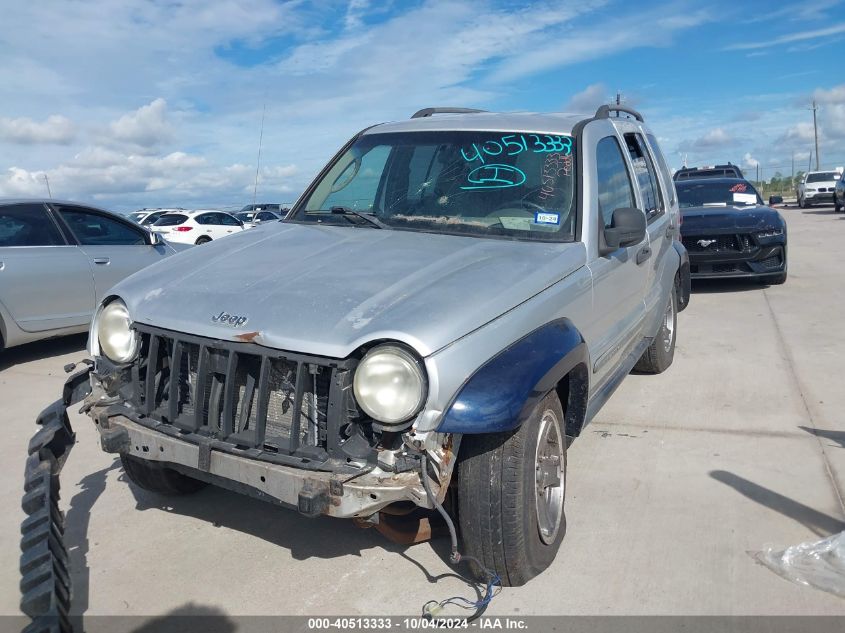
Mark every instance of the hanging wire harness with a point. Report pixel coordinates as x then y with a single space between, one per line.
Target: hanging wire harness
493 584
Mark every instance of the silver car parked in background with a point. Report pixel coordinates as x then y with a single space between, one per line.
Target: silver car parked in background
57 262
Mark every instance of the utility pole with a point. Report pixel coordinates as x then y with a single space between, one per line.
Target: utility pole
618 98
792 177
47 180
816 133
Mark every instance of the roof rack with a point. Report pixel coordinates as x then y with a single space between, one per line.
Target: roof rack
604 112
426 112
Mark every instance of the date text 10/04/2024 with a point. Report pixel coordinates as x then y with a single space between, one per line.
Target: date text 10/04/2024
416 623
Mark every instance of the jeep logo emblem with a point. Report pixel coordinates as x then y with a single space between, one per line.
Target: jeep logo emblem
234 320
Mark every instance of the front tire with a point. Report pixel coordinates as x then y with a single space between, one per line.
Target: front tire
159 479
659 355
511 494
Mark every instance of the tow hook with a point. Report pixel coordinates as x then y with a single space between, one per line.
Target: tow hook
45 574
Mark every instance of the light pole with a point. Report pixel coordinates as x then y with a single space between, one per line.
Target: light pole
816 133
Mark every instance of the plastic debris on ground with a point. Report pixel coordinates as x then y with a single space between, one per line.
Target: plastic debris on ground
819 564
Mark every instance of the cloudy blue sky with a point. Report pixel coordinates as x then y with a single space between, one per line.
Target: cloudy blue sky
132 103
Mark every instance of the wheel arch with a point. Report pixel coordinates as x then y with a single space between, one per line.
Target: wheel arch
501 394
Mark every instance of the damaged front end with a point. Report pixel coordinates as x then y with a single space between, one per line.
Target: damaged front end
279 426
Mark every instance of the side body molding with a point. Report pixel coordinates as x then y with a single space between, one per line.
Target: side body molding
502 393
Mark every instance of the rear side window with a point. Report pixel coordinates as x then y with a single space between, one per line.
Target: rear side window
646 176
664 168
94 229
171 220
614 183
266 215
28 225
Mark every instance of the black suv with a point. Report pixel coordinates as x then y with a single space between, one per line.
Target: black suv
712 171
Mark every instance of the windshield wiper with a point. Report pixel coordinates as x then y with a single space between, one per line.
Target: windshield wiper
370 218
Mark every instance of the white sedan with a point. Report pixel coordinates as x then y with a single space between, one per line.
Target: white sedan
196 227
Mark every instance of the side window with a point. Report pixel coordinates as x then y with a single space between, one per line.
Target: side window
204 218
226 220
646 176
93 229
614 183
266 215
664 168
28 225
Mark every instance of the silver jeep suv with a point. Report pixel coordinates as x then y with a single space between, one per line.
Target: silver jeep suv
450 300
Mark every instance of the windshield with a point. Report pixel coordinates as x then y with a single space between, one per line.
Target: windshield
245 216
823 177
171 219
471 183
702 194
137 215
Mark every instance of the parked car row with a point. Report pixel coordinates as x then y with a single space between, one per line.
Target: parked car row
58 261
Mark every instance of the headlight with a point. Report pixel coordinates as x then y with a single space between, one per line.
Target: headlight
114 332
389 384
769 233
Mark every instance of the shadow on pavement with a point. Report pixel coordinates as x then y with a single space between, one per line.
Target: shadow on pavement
321 537
43 349
828 211
705 286
817 522
190 618
836 436
76 537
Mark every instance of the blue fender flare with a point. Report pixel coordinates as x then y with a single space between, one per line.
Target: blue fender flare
503 392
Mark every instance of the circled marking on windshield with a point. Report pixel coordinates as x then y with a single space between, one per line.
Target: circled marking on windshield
495 177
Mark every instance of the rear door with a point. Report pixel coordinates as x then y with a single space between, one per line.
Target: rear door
45 282
619 282
114 247
660 228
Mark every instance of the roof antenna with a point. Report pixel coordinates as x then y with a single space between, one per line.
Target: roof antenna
47 181
258 162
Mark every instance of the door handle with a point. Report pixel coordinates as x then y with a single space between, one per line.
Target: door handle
644 254
101 260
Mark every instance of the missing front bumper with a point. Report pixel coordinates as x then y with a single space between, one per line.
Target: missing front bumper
311 492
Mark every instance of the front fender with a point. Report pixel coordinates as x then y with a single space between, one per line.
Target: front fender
502 393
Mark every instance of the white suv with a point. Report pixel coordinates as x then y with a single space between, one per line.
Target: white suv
817 186
196 227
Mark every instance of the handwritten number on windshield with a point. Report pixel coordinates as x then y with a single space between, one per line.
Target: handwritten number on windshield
518 144
495 177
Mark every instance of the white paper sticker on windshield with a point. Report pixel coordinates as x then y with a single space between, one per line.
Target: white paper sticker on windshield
544 217
745 198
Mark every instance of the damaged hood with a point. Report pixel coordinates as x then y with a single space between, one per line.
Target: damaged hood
327 290
729 218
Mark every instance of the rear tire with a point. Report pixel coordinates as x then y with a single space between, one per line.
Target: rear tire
203 240
159 479
511 494
659 355
836 206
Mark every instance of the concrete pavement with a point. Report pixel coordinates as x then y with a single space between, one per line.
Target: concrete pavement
740 445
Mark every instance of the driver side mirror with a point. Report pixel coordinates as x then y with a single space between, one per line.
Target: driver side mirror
628 227
155 238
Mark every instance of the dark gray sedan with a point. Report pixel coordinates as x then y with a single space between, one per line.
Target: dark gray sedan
58 260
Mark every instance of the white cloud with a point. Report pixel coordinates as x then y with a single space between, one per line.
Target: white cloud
749 162
800 36
716 138
54 129
147 126
588 100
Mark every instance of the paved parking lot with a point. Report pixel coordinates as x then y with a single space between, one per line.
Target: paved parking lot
740 445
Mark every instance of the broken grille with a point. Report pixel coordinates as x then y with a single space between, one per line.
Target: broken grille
243 394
